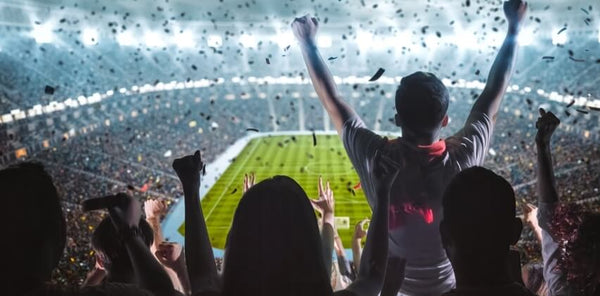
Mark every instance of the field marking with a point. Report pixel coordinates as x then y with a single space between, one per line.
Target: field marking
242 166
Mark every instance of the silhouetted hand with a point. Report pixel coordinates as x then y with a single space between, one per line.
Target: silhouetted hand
125 211
170 255
305 28
155 208
326 203
546 125
515 11
248 181
188 169
529 213
359 229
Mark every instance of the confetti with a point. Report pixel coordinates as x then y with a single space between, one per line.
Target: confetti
377 75
331 58
251 129
234 191
314 139
571 103
582 111
49 90
576 60
561 30
548 58
268 61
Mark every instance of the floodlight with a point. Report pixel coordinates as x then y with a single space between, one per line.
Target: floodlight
247 40
324 41
214 41
153 39
42 34
89 36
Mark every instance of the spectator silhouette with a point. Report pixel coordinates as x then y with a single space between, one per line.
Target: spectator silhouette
274 246
478 227
570 236
417 261
38 225
112 254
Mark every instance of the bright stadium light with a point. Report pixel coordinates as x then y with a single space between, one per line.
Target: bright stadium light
559 39
284 39
526 37
185 39
153 39
214 41
599 36
364 39
89 36
126 39
466 40
324 41
42 34
247 40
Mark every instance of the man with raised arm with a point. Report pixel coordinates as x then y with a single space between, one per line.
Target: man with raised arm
428 162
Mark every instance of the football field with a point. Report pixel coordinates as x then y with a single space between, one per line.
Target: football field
294 156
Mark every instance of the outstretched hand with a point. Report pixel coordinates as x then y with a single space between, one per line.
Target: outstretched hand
326 203
170 255
546 125
529 213
155 208
188 169
515 11
305 28
359 229
249 181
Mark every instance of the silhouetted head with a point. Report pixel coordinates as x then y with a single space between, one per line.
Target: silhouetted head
112 252
274 246
479 222
421 103
578 233
34 227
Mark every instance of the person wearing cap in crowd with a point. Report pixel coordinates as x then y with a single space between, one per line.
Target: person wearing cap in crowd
417 264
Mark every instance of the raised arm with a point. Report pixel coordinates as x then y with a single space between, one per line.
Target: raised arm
501 71
374 258
125 213
546 125
199 257
547 202
326 205
359 234
305 29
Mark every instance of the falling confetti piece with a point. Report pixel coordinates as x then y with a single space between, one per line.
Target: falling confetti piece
331 58
234 191
571 103
268 61
561 30
377 75
314 139
251 129
49 90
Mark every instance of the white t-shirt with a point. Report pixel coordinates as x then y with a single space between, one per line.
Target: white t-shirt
416 199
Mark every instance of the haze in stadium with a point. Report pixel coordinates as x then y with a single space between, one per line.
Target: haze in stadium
106 94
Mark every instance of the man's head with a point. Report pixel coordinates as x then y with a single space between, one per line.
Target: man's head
111 252
479 222
34 225
421 103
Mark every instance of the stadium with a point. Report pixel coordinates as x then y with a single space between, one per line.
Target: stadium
107 94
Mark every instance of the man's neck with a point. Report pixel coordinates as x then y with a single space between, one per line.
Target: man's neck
421 139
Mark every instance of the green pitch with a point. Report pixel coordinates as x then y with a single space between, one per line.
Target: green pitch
294 156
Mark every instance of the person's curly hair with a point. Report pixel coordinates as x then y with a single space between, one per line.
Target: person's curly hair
578 234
